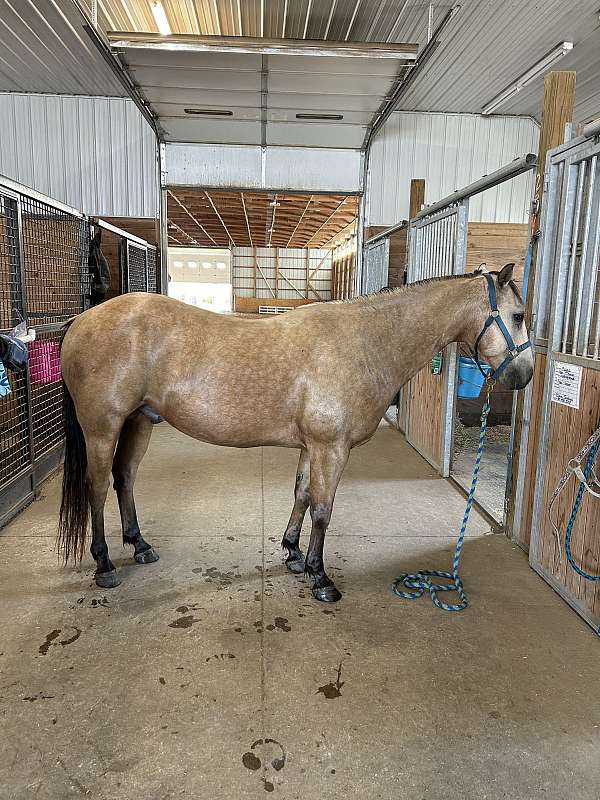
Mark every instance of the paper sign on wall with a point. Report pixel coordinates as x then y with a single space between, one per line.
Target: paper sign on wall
566 384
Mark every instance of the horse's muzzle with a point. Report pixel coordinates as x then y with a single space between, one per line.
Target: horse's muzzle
516 375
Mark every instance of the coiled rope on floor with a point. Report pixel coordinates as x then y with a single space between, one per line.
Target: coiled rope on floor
420 582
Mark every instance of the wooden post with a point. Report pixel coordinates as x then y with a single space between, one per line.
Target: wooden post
557 110
276 272
307 251
254 270
417 196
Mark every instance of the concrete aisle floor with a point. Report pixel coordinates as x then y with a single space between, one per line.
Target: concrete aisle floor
213 674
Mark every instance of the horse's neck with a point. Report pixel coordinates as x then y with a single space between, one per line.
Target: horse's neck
408 328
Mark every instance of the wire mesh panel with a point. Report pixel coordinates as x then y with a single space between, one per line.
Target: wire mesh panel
46 392
44 280
136 275
151 259
11 293
15 451
55 261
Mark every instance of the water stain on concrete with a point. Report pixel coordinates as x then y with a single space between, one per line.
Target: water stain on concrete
53 635
184 622
38 696
49 639
220 657
333 690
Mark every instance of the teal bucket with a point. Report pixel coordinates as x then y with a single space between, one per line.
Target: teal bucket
470 379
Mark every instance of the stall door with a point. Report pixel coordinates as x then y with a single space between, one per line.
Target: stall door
437 248
569 314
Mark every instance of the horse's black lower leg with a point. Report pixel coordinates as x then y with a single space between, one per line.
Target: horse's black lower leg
326 465
133 443
99 459
291 538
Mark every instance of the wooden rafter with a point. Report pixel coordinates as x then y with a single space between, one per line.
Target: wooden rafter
220 218
246 214
191 216
210 200
329 218
310 199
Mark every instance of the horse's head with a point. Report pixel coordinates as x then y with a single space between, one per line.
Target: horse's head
98 268
496 331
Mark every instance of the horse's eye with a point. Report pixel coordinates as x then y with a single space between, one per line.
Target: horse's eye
519 319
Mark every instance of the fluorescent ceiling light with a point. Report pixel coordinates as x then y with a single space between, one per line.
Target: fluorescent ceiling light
316 117
160 17
209 112
527 77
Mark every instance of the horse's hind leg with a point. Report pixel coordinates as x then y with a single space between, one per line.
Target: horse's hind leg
291 538
327 463
132 446
100 451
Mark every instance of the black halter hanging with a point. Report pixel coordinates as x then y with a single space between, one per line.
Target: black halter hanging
513 349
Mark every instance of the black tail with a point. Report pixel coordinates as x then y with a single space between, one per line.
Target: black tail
74 506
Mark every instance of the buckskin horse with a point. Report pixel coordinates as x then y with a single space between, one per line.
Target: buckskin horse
318 379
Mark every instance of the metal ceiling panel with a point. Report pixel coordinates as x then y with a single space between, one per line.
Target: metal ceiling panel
209 130
315 135
262 88
485 49
324 102
45 49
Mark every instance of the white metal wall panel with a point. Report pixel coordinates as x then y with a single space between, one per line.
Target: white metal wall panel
284 168
97 154
449 151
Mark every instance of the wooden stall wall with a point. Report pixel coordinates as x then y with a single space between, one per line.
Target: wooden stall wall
426 395
568 429
496 244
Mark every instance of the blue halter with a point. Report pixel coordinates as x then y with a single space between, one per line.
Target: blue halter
513 349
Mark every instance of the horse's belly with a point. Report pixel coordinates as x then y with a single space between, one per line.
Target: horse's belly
233 426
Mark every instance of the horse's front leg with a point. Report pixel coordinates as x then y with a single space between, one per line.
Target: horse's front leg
291 538
327 463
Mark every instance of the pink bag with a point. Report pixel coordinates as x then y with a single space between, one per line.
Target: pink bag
44 362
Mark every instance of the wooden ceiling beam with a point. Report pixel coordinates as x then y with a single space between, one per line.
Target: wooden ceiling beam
310 199
329 218
231 239
190 215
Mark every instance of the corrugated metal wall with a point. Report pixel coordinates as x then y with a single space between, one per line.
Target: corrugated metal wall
449 151
97 154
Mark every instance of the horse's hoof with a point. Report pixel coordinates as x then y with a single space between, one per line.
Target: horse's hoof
108 580
148 556
326 594
296 565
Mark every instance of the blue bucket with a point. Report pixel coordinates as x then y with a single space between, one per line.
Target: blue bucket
470 379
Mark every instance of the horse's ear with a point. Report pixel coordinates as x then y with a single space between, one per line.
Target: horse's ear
505 274
97 239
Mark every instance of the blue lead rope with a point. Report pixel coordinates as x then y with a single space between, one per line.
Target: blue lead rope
420 582
578 498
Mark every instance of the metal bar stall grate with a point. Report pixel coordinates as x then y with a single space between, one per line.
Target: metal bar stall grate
15 451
